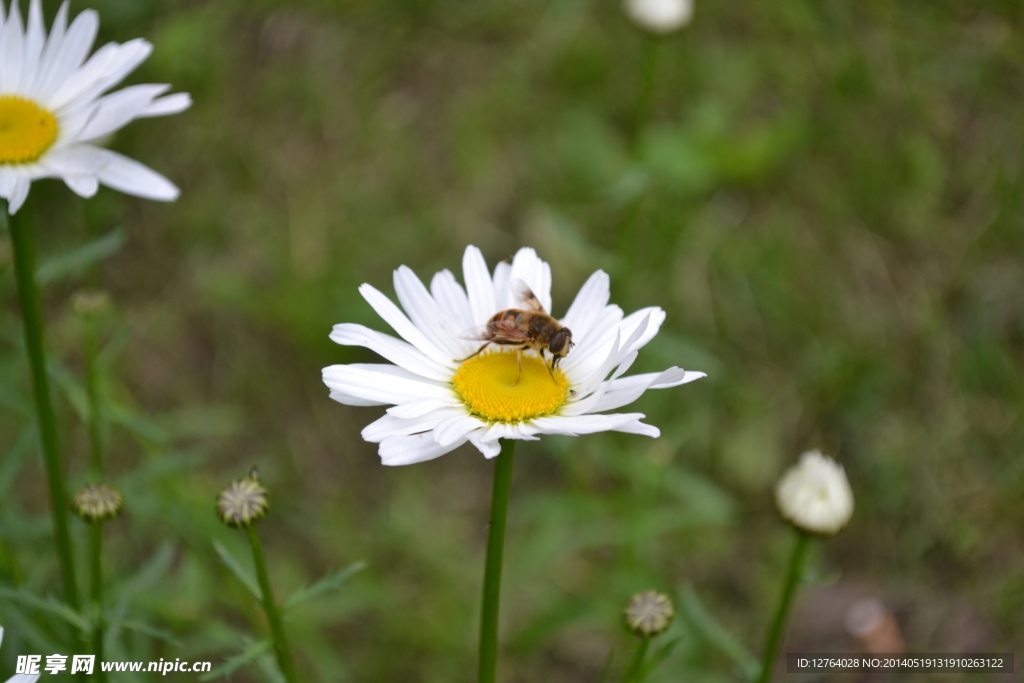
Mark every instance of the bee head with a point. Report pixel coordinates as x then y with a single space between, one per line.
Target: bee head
561 342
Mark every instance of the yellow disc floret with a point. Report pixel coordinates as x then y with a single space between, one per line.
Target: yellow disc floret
487 384
26 130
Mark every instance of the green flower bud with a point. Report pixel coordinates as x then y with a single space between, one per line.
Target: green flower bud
97 503
649 613
243 502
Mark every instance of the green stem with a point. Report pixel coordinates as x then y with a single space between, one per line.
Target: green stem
778 627
28 293
96 592
92 384
633 675
284 657
492 569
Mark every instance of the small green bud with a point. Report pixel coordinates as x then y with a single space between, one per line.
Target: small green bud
649 613
243 502
97 503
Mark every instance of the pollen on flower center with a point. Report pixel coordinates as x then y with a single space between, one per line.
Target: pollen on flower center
26 130
487 385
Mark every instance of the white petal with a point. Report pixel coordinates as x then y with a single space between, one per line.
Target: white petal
75 160
479 286
70 52
381 383
586 309
400 353
502 292
23 678
586 383
408 450
521 431
455 429
131 177
489 449
589 403
92 80
624 391
11 51
82 185
346 399
586 424
529 268
35 38
640 428
50 50
452 299
394 317
117 109
8 176
389 425
82 79
172 104
18 194
426 314
421 407
584 360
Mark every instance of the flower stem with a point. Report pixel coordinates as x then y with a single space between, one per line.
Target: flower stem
92 384
284 657
96 591
633 674
23 245
492 569
793 576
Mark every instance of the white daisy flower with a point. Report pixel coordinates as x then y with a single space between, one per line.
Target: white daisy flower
19 678
53 110
815 495
439 402
660 16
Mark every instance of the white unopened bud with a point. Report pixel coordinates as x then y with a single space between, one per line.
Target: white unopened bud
660 16
814 494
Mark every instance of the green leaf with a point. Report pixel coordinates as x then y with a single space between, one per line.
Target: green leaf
325 585
48 605
152 631
118 341
16 457
268 665
236 568
233 664
660 656
75 261
706 627
147 576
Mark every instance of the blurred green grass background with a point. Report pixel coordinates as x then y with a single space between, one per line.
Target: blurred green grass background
827 200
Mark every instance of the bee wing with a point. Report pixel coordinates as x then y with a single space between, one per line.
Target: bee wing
523 294
496 331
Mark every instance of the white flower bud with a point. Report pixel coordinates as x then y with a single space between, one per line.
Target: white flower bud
814 494
660 16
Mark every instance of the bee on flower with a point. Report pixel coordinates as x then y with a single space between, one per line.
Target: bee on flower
535 374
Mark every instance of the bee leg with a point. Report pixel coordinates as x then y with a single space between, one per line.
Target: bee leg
550 366
463 360
519 359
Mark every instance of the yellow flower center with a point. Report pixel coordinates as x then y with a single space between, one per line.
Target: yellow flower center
26 130
487 385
